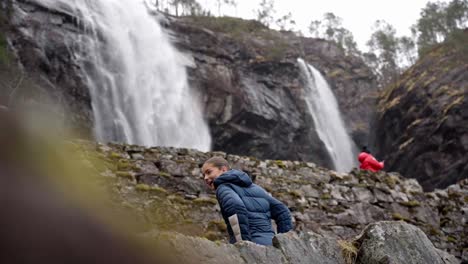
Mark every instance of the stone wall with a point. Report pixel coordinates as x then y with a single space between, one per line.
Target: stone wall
164 187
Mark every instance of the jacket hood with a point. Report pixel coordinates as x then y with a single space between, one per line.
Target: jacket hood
363 156
236 177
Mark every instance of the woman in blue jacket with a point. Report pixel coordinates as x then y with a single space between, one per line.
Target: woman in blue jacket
246 207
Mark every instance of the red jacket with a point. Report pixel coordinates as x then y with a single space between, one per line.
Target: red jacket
368 162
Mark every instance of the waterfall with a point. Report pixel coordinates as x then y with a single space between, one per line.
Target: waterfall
324 110
137 79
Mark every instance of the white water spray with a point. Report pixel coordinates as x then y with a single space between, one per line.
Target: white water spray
328 122
137 79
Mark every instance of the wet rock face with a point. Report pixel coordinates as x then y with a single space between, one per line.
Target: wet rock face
246 75
422 121
37 36
253 91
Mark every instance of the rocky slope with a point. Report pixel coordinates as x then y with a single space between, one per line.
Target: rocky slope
422 121
252 89
78 200
164 189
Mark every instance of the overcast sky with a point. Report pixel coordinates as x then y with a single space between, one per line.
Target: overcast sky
358 15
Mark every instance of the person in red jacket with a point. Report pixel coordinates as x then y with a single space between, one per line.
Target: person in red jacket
368 162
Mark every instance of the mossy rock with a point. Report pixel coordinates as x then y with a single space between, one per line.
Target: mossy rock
148 188
399 217
391 181
124 174
452 239
411 204
115 155
296 194
123 165
205 201
433 231
177 199
212 236
164 174
217 225
280 164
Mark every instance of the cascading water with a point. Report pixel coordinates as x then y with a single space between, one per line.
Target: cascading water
137 79
328 122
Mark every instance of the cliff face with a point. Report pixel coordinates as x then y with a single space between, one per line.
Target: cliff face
254 92
422 121
46 80
247 76
164 190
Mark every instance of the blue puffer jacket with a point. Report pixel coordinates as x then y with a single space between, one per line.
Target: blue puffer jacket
254 207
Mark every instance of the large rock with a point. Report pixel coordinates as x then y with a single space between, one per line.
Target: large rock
309 248
422 122
398 243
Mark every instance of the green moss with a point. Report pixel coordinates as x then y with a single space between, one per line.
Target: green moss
411 204
434 231
143 187
115 155
147 188
205 201
466 199
452 239
217 225
295 194
123 165
157 189
391 181
325 196
210 235
280 164
124 174
335 73
362 185
398 217
164 174
177 199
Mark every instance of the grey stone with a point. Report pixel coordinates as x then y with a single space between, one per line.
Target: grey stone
308 248
253 253
363 194
396 243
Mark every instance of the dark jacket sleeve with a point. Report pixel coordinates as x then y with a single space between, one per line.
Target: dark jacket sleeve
231 204
280 213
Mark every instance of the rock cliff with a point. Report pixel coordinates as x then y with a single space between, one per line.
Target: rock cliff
422 122
247 75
